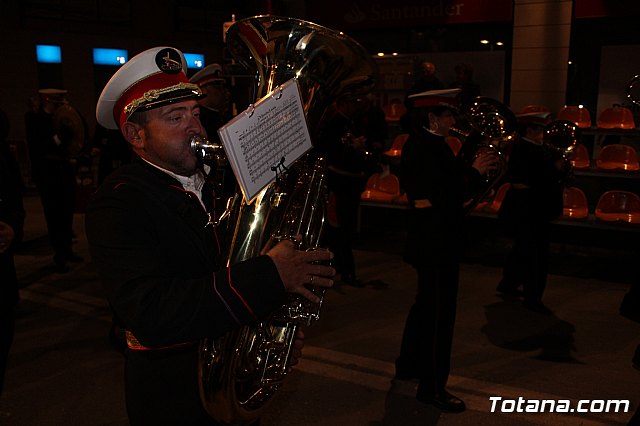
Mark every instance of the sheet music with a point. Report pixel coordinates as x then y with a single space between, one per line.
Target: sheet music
263 135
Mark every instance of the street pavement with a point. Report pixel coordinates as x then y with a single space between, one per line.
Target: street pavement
62 370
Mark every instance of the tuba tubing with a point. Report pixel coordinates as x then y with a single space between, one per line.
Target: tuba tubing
240 372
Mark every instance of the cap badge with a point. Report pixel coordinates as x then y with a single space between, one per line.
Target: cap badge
169 61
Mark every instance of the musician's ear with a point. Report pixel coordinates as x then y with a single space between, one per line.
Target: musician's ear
132 132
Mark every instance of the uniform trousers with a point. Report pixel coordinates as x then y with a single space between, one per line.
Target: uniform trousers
340 238
161 388
56 184
425 352
528 262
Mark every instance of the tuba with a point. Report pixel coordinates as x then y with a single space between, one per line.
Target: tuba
239 373
560 138
490 126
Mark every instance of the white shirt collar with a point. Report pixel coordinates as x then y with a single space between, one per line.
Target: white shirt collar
193 183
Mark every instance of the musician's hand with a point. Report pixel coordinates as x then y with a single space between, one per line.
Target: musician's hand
486 161
298 268
6 236
298 344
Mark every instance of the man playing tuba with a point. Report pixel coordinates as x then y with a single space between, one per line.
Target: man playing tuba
152 241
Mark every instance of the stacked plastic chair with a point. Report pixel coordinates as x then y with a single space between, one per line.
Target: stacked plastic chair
618 206
396 146
616 157
530 109
616 117
497 200
394 110
579 157
576 114
382 188
575 204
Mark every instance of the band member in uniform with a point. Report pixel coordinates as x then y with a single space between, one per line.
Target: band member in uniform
150 238
346 153
12 215
437 183
54 173
533 200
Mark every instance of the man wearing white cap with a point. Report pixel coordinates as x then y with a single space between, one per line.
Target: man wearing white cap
437 183
49 139
152 242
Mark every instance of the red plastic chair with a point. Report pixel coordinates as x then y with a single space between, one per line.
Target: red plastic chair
454 143
393 111
497 200
381 188
576 114
618 206
396 146
575 204
579 157
618 157
616 117
531 109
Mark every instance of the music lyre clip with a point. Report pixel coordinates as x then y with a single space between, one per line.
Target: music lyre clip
279 168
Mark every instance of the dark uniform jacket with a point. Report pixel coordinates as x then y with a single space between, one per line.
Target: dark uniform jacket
534 166
165 284
430 171
148 239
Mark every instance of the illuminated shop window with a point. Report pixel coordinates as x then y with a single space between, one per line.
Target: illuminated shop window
48 54
109 56
194 60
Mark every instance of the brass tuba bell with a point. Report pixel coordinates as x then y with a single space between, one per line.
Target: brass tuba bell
560 138
240 372
490 126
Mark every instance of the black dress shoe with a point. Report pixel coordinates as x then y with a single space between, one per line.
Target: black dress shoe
505 290
72 257
405 375
443 401
60 268
538 307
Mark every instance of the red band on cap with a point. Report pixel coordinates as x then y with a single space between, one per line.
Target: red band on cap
153 82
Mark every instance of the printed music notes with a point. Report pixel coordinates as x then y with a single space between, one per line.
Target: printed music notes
258 139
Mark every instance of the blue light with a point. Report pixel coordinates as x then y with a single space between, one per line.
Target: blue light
48 54
109 56
194 60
